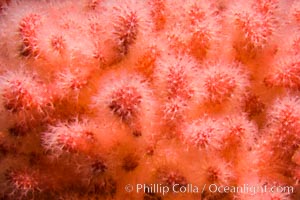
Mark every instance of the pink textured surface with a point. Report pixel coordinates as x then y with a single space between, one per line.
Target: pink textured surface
99 94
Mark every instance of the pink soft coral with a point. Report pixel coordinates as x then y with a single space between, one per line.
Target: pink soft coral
99 94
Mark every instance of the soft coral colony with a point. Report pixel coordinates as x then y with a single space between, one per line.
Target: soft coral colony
98 94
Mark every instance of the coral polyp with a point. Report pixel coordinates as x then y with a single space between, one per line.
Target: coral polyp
65 137
27 27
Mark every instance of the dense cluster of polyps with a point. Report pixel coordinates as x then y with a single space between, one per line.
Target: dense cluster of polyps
98 94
